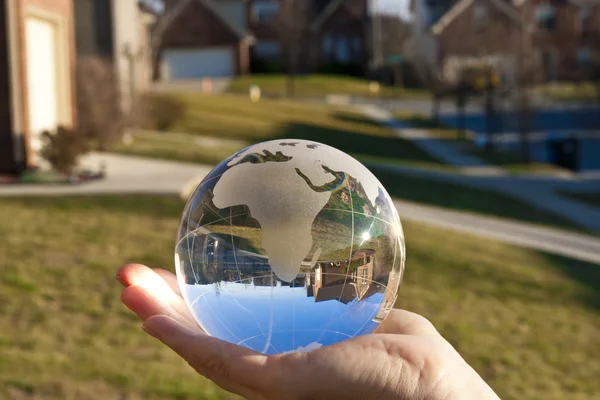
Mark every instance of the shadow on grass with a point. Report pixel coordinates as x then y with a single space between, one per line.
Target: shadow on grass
464 198
355 119
587 274
352 142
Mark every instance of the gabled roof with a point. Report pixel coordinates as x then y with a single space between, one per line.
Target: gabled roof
463 5
167 20
331 8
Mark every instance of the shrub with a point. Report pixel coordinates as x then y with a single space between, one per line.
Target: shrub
161 111
98 102
62 148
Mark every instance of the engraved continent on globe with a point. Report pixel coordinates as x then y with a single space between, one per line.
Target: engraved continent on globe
289 245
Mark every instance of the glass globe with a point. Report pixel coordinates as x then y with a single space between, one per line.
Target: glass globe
289 245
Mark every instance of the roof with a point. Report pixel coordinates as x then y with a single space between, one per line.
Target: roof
167 20
463 5
327 12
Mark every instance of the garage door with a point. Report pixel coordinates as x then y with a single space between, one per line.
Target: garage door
199 63
42 83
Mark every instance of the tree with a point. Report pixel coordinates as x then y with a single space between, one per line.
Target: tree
293 27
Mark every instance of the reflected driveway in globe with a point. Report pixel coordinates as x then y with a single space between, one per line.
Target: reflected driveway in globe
289 245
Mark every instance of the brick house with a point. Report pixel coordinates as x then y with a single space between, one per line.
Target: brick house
37 68
203 38
322 32
449 37
564 35
476 34
116 32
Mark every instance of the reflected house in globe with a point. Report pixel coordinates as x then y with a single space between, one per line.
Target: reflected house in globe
339 281
389 297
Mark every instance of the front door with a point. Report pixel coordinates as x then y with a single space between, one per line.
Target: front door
42 80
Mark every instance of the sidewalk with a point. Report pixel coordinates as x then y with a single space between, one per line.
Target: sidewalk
124 175
556 241
439 149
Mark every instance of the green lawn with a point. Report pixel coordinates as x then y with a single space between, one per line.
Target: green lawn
465 198
235 117
318 86
528 322
179 148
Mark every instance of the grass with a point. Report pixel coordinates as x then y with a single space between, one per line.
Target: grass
235 117
510 161
45 177
513 162
570 91
275 85
180 148
465 198
589 198
528 322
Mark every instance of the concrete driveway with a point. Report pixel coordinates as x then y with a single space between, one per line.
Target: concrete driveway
124 175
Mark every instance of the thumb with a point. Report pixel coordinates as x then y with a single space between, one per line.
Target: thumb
237 369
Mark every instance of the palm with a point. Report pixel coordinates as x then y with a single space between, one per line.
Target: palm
405 359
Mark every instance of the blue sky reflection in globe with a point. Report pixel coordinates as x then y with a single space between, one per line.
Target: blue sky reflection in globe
289 245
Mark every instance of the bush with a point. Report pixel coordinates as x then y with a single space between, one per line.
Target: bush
160 111
62 149
98 102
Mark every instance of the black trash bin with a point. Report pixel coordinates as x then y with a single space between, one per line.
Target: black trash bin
566 153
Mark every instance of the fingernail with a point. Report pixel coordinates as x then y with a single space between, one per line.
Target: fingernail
148 330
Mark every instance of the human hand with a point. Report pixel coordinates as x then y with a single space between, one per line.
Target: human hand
405 359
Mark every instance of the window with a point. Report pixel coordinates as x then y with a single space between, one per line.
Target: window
365 276
545 17
267 50
343 50
585 18
357 43
583 56
328 45
481 14
264 10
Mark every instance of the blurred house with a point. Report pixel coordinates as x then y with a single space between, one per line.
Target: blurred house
116 32
224 38
327 35
451 36
564 35
203 38
37 65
